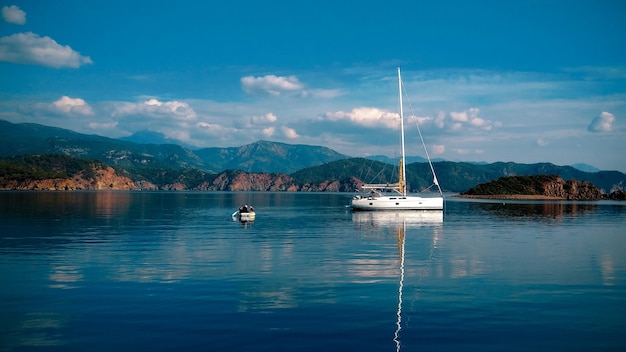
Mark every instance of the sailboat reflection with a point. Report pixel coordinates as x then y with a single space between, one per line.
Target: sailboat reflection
400 221
392 219
401 242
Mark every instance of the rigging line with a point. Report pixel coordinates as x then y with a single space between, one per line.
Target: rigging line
419 131
367 168
429 187
380 172
370 168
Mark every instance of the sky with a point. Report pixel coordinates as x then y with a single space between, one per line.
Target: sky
522 81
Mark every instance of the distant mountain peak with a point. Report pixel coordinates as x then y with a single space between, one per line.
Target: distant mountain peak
266 156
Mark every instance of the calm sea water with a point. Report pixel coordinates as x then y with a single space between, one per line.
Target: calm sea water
86 271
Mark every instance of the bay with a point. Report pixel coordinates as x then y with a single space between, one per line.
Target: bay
164 271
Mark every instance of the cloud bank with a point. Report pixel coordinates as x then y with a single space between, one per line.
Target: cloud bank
156 109
270 84
31 49
366 116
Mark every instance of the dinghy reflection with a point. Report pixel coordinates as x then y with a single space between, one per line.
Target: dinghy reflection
398 222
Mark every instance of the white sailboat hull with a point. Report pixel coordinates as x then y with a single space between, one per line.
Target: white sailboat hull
397 203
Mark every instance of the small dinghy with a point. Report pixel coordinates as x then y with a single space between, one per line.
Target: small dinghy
245 213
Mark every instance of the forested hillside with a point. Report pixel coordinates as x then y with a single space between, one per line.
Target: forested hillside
36 152
344 175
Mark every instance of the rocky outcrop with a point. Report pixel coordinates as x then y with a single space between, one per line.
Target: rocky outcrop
571 190
108 179
243 181
103 179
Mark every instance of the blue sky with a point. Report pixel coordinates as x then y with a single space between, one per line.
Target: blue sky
526 81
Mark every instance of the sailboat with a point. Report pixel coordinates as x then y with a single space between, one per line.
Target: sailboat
394 196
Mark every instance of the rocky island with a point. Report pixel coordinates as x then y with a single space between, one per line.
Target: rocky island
539 187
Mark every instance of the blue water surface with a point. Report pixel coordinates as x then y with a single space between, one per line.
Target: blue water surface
162 271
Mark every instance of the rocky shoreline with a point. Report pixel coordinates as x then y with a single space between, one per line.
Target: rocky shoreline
61 173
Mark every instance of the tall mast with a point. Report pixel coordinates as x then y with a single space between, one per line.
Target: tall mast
402 161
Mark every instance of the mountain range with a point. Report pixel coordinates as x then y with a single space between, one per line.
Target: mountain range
308 167
261 156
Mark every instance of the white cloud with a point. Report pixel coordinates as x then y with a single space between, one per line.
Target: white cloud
278 85
270 84
374 117
468 117
264 119
156 109
479 122
213 129
602 123
368 117
289 132
13 14
421 120
542 142
459 116
31 49
269 131
69 105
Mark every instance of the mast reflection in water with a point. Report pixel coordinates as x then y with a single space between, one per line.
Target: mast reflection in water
398 220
